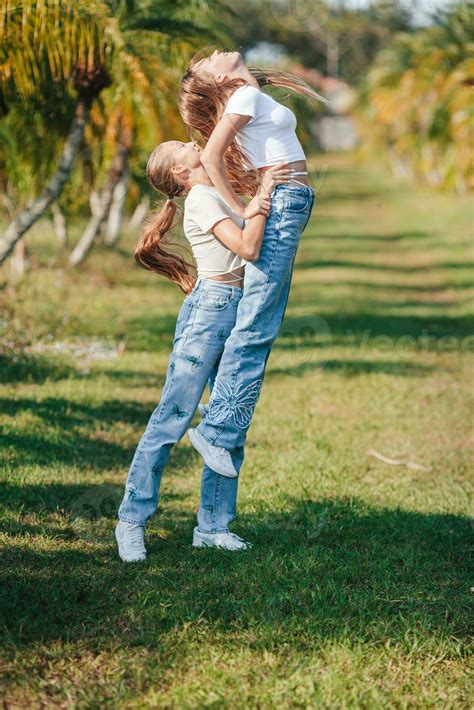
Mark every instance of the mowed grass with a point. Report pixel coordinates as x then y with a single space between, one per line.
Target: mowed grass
356 593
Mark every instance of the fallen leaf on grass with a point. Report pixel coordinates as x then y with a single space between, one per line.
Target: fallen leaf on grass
398 462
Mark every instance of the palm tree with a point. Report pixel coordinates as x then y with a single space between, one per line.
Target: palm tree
418 99
84 47
138 110
34 50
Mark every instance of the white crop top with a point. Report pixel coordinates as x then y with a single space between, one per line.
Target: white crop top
269 137
204 207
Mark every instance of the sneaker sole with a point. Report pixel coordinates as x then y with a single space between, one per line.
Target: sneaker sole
195 441
200 542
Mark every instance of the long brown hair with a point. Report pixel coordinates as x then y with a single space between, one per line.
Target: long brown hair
150 252
202 102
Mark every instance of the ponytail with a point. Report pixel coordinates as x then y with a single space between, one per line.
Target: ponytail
284 80
150 253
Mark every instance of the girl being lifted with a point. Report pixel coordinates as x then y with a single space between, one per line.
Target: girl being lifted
247 134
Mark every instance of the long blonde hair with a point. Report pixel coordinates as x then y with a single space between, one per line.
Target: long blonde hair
202 102
150 252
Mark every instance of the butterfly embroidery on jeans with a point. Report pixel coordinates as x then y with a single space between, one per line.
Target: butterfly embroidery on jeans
178 413
195 361
236 403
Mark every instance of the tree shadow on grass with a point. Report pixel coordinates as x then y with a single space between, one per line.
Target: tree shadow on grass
75 433
80 452
134 378
418 288
353 368
398 268
90 502
37 370
350 328
389 237
31 368
67 414
151 332
346 325
319 569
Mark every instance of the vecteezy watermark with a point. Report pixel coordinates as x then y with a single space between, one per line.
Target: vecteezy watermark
307 345
300 15
424 343
312 15
298 346
93 511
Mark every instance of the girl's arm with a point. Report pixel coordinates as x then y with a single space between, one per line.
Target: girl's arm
247 242
212 158
244 242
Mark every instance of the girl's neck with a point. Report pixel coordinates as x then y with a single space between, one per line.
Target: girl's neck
200 177
199 182
243 73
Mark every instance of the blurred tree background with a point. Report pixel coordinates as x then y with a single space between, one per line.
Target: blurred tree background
88 89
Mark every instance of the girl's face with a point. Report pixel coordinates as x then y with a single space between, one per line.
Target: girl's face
185 155
220 65
185 158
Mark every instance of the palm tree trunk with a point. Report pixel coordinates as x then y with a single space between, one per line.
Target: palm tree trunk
60 225
53 189
332 55
141 211
101 213
114 222
18 261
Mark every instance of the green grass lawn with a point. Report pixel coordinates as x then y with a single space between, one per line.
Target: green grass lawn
356 593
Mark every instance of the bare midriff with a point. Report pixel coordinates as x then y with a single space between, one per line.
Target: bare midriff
231 278
299 166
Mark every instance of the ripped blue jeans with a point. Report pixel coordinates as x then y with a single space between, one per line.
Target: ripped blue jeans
204 323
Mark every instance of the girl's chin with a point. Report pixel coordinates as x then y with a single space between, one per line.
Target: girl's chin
236 58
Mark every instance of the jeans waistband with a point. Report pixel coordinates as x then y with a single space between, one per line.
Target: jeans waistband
203 281
293 188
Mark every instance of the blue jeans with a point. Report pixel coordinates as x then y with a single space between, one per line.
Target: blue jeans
204 323
259 315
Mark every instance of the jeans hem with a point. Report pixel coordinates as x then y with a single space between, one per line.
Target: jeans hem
132 522
213 531
210 441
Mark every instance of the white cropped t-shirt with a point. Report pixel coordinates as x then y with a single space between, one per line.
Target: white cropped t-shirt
204 207
269 137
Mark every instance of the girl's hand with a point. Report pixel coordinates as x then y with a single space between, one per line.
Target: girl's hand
260 204
275 175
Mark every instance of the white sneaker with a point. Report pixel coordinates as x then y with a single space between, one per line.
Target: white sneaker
203 410
131 547
226 540
215 457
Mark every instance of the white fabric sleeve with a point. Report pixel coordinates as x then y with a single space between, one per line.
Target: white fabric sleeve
207 210
244 101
